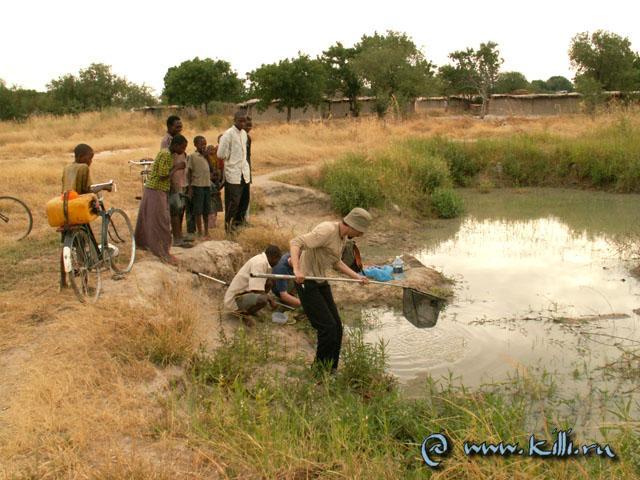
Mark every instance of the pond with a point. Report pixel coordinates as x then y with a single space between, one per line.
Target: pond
540 286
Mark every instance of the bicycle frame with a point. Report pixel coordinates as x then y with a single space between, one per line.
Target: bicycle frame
99 247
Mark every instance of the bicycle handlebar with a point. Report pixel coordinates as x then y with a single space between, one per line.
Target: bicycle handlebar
110 186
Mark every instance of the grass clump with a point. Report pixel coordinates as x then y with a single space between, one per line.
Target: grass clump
447 203
352 183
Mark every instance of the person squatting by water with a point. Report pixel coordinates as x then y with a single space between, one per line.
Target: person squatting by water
246 294
311 255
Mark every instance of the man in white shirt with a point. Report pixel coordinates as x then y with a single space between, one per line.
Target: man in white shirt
247 294
232 149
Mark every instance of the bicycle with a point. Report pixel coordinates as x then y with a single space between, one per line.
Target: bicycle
144 173
84 257
15 220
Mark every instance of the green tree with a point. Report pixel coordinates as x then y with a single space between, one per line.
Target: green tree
559 83
293 83
342 79
18 103
96 87
393 68
508 82
605 58
479 69
197 82
455 81
539 86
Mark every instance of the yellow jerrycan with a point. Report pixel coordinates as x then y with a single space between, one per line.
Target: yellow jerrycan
72 209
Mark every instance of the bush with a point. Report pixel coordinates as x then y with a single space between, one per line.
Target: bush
447 203
429 172
352 183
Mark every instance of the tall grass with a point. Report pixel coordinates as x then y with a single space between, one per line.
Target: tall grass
401 176
408 172
606 157
257 421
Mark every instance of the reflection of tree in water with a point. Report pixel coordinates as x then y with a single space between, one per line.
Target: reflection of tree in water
594 213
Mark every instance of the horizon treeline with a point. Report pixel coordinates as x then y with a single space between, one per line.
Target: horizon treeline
388 66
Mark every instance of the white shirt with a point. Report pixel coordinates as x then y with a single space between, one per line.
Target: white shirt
243 282
233 150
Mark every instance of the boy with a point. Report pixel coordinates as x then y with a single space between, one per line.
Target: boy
215 174
199 187
177 199
76 176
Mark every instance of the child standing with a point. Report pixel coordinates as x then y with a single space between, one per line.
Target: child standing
199 187
216 183
77 177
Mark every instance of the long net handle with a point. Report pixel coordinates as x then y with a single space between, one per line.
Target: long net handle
276 276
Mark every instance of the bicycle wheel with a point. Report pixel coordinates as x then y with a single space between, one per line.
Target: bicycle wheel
122 244
85 265
15 220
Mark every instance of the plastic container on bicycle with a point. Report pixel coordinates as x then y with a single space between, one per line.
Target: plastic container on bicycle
80 210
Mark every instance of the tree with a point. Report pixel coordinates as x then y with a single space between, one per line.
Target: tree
539 86
393 68
293 83
197 82
605 58
479 70
559 83
95 88
508 82
454 81
342 79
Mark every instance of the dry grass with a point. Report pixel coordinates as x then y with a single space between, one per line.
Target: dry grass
78 396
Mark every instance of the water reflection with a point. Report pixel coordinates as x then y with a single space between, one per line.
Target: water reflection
514 279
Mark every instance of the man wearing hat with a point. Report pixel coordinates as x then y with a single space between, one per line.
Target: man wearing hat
311 255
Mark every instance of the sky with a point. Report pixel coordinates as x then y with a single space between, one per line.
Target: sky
42 40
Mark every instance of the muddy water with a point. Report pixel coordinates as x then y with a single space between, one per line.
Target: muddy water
541 286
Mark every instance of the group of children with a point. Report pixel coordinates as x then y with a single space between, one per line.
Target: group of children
179 185
195 183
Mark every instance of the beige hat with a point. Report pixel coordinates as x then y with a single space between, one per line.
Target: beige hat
358 219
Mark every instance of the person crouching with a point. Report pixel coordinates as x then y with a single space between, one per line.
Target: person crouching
246 294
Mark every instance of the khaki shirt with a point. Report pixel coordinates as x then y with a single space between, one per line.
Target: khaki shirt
321 248
76 176
243 282
198 169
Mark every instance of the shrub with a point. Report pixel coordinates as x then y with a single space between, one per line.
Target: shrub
447 203
351 183
429 172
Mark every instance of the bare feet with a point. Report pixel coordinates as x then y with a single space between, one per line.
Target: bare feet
171 260
248 321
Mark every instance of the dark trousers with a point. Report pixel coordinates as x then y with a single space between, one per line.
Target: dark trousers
244 203
317 302
191 218
232 197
